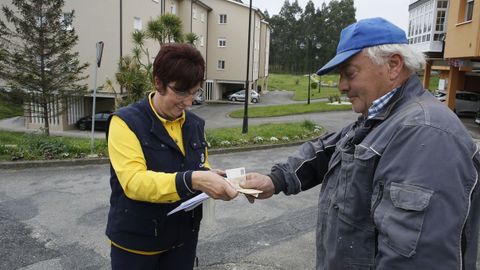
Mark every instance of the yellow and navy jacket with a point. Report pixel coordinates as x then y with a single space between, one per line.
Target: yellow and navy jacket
141 224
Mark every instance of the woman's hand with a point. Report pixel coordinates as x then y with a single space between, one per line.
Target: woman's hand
213 185
219 172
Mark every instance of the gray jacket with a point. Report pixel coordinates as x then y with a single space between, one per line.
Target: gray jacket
399 191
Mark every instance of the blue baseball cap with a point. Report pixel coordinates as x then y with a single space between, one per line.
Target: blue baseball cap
363 34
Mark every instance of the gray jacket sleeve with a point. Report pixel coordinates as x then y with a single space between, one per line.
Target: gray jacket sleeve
307 167
424 190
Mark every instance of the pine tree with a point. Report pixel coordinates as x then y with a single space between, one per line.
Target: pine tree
36 43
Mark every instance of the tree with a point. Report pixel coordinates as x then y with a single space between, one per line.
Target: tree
135 72
292 26
166 28
339 14
36 42
191 38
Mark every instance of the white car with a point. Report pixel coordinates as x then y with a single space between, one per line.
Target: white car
465 102
240 96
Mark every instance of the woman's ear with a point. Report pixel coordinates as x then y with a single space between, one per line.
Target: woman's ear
159 86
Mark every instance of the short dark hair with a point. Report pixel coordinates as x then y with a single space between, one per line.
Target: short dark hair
180 63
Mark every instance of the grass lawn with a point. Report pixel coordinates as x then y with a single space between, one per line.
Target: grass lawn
8 109
30 146
263 134
433 85
299 84
280 110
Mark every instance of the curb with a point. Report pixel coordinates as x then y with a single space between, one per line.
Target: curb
25 164
51 163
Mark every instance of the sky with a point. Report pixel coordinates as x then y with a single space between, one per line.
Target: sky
395 11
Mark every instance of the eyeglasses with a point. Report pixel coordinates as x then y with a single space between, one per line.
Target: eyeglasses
185 94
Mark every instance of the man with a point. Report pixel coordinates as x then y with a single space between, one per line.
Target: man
399 186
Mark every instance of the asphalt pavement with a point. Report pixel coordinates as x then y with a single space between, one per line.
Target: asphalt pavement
54 217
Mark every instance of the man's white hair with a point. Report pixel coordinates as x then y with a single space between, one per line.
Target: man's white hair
414 61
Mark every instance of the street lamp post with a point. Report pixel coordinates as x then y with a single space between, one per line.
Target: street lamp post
319 78
318 46
99 52
247 81
302 46
309 63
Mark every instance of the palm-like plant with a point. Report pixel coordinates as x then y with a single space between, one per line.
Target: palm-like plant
135 72
191 38
166 28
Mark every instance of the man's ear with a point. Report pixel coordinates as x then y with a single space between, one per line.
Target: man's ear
395 66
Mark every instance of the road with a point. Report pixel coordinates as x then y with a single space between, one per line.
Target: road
54 218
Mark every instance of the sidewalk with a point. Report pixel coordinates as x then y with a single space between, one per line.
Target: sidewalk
18 124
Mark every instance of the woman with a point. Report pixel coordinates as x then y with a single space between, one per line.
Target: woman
159 159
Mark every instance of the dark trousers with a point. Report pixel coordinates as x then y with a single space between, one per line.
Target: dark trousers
180 258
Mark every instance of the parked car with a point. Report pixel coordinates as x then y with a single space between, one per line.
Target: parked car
198 99
101 121
477 118
441 95
465 102
240 96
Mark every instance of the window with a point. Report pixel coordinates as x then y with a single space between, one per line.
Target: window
469 10
137 23
442 4
202 17
438 37
221 65
40 21
223 18
194 13
173 9
439 27
222 42
67 20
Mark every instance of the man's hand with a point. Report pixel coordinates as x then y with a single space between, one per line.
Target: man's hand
213 185
260 182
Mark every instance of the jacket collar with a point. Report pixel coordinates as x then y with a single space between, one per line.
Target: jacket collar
407 91
157 128
410 88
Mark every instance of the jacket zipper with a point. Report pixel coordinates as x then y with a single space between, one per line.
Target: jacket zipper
379 197
466 217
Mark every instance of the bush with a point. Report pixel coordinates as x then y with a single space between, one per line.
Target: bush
335 98
39 147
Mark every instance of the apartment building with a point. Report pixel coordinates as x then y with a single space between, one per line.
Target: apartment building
110 21
448 32
221 27
227 48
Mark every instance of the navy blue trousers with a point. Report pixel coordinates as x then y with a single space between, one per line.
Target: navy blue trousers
180 258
